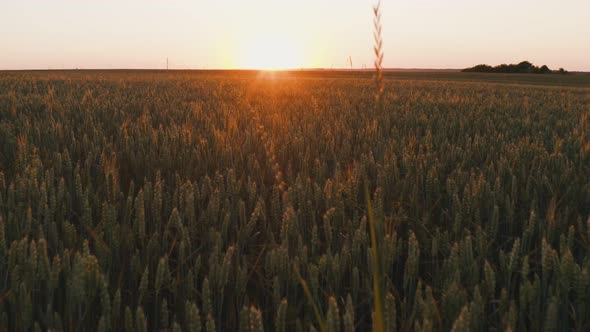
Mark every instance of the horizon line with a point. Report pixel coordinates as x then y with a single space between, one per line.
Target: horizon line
370 69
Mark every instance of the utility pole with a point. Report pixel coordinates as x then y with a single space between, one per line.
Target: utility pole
166 63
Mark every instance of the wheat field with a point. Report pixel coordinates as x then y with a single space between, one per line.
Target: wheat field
226 201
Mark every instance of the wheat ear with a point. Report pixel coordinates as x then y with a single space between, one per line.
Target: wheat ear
378 49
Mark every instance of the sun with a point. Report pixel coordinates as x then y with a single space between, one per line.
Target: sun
270 51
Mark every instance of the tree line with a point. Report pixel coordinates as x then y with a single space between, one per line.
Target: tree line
525 67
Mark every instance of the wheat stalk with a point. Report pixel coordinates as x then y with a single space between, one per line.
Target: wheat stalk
378 300
269 150
378 49
307 292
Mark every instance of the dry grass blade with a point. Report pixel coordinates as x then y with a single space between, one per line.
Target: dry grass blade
316 310
378 299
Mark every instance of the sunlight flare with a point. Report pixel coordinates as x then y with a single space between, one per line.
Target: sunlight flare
270 51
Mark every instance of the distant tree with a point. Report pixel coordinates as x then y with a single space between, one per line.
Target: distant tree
503 68
544 70
480 69
523 67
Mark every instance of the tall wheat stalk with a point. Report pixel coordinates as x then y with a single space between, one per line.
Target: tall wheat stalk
378 320
378 49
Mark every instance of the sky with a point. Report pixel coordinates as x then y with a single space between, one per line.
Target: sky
211 34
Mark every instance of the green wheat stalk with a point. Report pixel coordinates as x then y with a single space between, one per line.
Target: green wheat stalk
379 318
307 292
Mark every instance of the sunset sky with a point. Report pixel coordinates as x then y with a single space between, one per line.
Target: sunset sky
277 34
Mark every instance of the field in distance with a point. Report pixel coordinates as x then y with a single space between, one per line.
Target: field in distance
574 79
236 200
